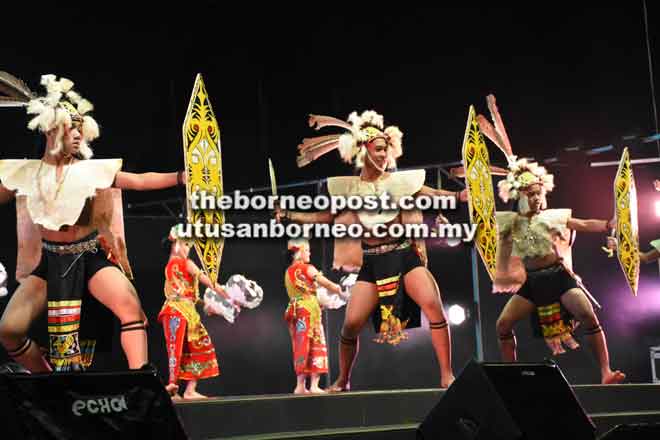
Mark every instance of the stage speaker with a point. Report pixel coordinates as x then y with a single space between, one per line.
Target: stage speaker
642 431
98 406
498 401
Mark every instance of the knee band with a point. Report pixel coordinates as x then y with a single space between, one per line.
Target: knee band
133 325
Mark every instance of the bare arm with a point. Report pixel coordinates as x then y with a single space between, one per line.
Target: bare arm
650 256
303 217
145 181
503 258
432 192
589 225
323 281
644 257
193 269
6 195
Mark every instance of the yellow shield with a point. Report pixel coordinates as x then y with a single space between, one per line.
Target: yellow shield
625 209
481 198
202 156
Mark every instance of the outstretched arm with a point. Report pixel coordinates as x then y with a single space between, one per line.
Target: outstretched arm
644 257
323 281
650 256
432 192
590 225
303 217
148 181
6 195
193 269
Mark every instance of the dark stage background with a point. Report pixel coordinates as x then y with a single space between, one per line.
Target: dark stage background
564 77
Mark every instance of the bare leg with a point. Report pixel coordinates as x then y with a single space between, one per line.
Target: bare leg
314 384
578 304
111 287
362 302
191 391
423 289
25 305
301 387
515 309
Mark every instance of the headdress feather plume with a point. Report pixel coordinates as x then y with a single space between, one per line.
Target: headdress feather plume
14 92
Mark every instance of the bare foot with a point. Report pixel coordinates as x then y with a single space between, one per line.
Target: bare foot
171 389
317 390
446 381
571 343
176 398
613 377
194 395
300 390
339 386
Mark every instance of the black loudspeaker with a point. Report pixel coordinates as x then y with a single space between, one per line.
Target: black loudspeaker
643 431
98 406
497 401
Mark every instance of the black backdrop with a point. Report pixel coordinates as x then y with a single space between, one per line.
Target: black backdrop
565 77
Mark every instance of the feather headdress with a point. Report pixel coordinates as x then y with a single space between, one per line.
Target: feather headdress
360 130
522 173
13 91
62 107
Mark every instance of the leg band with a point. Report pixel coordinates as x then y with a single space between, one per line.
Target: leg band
21 349
506 337
438 325
593 331
347 341
134 325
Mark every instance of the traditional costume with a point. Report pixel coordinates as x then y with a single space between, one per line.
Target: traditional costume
522 237
190 351
384 264
303 316
82 196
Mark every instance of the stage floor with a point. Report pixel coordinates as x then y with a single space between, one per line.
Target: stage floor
379 414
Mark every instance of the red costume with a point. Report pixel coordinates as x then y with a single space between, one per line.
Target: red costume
190 352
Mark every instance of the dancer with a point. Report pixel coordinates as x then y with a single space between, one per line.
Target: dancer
62 194
533 260
393 279
303 315
190 352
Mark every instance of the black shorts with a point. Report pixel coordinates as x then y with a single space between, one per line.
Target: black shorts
546 286
67 277
386 271
375 267
53 265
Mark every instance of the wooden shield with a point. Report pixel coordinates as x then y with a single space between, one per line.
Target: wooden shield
481 198
625 209
202 157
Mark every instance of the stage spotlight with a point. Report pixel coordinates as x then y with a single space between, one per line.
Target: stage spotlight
456 314
453 242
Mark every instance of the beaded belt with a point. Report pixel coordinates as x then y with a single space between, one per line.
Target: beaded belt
387 247
556 267
72 248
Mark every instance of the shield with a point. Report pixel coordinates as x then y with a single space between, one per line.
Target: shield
203 165
481 198
625 210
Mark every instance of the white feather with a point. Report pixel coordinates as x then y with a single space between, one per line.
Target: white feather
90 129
